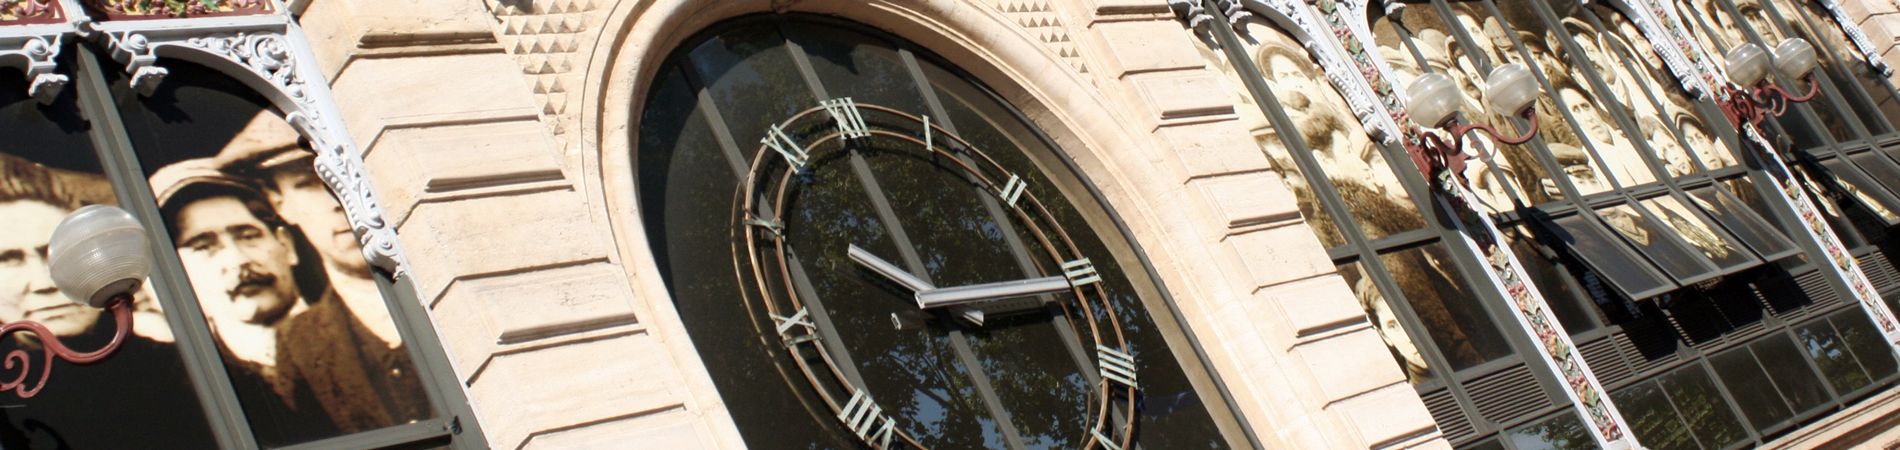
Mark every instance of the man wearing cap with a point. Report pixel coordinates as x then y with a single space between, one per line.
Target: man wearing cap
355 362
138 394
239 258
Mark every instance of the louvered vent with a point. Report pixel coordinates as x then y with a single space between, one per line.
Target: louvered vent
1452 420
1880 271
1508 394
1638 363
1815 285
1604 360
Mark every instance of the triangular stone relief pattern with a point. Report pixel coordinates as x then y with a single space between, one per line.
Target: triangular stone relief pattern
546 38
1045 23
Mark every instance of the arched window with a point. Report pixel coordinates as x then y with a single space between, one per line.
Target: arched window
803 239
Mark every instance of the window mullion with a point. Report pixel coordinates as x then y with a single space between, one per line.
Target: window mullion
196 345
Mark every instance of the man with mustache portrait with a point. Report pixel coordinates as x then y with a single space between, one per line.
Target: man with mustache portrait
239 259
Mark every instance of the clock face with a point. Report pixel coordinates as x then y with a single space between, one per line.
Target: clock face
1054 287
916 267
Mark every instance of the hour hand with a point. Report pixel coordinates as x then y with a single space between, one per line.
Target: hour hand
979 293
891 271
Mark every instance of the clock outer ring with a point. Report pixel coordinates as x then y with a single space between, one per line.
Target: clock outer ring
746 200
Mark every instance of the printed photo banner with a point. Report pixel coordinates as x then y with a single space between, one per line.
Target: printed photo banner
1478 233
1841 263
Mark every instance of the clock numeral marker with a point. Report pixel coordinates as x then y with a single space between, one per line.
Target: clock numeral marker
862 415
801 319
1081 272
850 121
929 146
794 154
1104 440
1116 365
1013 190
773 225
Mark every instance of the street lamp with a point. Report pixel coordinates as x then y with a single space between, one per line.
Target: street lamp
1752 97
1435 99
98 256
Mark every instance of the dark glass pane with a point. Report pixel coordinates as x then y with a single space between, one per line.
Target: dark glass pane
1563 432
753 82
1702 406
1796 380
1607 256
1175 415
1392 330
1879 169
306 336
1503 168
1566 141
1742 221
1703 234
1829 352
1355 167
1640 230
1450 310
1558 288
1863 190
864 68
1865 342
1832 208
1754 393
1652 418
139 395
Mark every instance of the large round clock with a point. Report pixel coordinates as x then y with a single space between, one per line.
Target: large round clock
870 249
1062 285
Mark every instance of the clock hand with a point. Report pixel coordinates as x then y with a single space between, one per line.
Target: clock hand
906 279
891 271
977 293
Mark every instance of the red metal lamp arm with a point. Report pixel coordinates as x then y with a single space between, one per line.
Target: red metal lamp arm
22 361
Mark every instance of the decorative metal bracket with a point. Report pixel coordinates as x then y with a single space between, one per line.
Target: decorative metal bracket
1868 51
51 347
30 39
270 54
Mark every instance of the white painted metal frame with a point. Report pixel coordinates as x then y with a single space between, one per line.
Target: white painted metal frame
266 52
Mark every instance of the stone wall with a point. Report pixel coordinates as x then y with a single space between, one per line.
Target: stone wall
497 132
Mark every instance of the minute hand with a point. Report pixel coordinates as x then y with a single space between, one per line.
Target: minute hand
977 293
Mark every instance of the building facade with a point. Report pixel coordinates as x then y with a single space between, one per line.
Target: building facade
952 224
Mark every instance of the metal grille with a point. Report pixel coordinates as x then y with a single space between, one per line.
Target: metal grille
1609 365
1880 271
1451 419
1815 286
1508 394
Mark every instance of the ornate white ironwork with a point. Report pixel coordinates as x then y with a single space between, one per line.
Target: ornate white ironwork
268 53
35 55
1868 51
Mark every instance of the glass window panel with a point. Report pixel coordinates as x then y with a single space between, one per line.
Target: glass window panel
1357 168
1702 233
1702 406
1640 230
1825 201
751 78
1829 352
1554 283
1509 168
1608 256
1563 432
1865 342
1652 97
307 338
1829 105
864 68
1864 191
1677 110
141 394
1270 143
1882 171
1571 144
1651 417
1742 221
1716 31
1796 380
1386 322
1754 394
1450 310
1596 52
